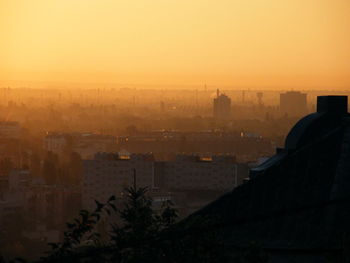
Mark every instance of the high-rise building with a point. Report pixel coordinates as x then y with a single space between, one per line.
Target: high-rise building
222 106
293 103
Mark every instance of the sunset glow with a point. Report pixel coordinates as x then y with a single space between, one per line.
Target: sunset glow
256 43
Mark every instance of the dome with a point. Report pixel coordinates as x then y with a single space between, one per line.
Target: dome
330 111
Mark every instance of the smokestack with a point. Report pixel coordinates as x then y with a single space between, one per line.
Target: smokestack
217 92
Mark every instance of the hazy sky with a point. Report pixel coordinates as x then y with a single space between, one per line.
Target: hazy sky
226 42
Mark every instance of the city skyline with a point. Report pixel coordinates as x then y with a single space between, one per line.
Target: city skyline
174 131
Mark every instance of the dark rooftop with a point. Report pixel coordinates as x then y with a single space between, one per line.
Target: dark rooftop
298 202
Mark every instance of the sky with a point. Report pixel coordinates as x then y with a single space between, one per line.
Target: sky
250 43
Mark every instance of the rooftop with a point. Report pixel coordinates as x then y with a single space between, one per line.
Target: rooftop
298 201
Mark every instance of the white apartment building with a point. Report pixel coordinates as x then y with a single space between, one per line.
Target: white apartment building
186 173
108 174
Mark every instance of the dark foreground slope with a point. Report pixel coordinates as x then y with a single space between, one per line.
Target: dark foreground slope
296 204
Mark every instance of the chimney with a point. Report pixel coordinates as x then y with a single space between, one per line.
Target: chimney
217 93
332 104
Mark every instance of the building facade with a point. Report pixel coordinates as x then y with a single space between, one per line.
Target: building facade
221 106
10 130
293 103
85 144
186 173
108 174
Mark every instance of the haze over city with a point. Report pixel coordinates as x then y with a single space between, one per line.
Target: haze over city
161 131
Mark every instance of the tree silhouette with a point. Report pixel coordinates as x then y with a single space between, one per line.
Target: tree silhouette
141 234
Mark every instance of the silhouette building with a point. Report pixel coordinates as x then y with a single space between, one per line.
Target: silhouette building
296 205
293 103
222 106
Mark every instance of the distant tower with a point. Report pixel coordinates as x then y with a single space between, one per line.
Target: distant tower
222 106
293 103
243 96
260 96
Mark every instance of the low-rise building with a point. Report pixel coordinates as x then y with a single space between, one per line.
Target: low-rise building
13 193
10 130
52 205
85 144
214 173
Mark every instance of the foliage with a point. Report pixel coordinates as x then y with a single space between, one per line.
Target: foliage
79 230
141 234
135 238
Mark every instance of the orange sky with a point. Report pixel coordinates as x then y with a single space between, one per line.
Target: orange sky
280 43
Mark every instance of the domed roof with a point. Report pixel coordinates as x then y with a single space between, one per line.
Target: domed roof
330 111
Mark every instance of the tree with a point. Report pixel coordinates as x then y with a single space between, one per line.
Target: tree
134 238
144 235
